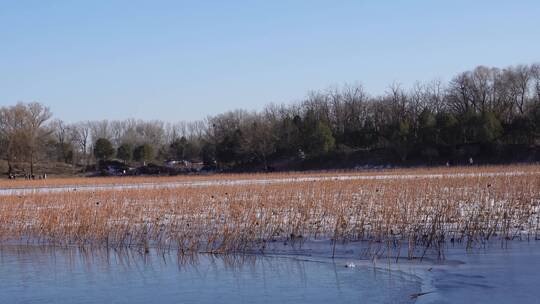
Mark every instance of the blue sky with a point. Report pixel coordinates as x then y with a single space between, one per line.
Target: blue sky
180 60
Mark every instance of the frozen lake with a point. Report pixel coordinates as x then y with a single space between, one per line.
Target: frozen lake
46 275
33 274
491 275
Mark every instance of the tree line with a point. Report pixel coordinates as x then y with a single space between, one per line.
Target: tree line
478 113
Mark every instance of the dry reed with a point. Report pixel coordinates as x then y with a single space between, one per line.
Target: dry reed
393 216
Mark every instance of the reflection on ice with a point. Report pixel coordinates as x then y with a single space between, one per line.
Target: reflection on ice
46 274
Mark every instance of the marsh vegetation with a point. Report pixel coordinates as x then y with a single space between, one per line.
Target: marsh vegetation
398 214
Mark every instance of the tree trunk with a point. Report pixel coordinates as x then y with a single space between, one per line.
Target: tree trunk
31 163
10 169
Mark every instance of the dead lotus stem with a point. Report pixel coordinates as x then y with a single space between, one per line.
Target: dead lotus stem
390 214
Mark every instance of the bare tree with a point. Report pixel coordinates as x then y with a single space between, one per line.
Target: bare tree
12 126
62 136
37 116
80 134
24 129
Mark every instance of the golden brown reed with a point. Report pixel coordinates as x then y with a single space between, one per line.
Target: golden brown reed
402 216
85 181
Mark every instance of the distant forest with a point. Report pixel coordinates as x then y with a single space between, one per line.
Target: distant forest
489 114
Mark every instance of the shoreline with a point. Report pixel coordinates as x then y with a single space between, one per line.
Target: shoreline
241 182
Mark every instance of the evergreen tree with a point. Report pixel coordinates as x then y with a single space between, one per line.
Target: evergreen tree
103 149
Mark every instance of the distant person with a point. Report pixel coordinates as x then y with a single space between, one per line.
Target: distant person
471 162
301 155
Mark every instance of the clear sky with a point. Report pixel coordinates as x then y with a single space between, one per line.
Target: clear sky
180 60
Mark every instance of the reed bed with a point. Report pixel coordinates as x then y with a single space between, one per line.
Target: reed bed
131 180
397 217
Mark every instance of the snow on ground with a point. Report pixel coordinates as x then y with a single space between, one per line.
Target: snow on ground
239 182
